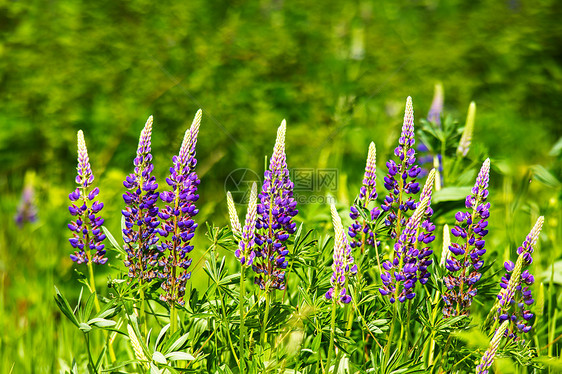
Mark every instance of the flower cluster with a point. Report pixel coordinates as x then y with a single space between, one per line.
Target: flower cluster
470 230
342 266
140 214
360 232
86 228
178 226
401 178
466 138
245 251
515 296
401 273
427 228
490 354
276 210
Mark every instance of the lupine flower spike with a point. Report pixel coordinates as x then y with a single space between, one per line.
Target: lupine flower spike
27 210
515 297
466 138
178 226
401 179
276 210
342 266
427 228
245 251
401 273
466 254
141 213
490 354
86 228
426 159
233 215
359 232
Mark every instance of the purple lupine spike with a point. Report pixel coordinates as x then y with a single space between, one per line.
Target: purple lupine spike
245 251
515 297
436 109
27 210
141 213
426 159
343 264
465 258
401 179
426 235
178 225
490 354
276 210
359 231
401 273
87 235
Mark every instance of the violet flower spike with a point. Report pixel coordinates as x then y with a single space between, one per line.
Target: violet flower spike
342 266
245 252
427 159
178 225
465 258
359 231
233 215
27 210
86 228
515 297
490 354
141 214
275 211
401 273
427 228
401 179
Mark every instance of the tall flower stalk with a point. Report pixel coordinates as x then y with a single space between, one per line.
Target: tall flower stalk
27 209
515 297
426 235
427 158
245 253
342 267
401 179
178 225
87 236
275 211
141 213
466 261
360 233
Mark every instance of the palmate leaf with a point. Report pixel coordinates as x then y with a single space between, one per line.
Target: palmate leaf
64 307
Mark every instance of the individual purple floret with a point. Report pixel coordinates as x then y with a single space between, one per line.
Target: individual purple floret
401 179
276 210
178 226
27 210
86 228
141 213
359 231
401 273
427 228
515 297
466 254
342 266
245 251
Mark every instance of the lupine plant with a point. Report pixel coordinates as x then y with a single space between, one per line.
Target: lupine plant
398 285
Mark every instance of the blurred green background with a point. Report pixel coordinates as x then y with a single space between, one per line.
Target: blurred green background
338 71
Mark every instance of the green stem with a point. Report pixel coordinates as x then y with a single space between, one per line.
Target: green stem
390 333
90 353
142 315
263 337
173 318
242 332
92 287
332 333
